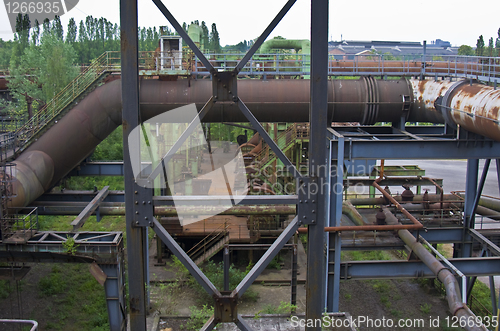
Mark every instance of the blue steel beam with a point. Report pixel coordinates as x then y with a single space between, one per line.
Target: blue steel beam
411 269
335 240
98 169
419 149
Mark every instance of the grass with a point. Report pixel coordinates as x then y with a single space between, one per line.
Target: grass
73 299
283 308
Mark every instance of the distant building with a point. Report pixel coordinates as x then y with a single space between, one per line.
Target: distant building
348 49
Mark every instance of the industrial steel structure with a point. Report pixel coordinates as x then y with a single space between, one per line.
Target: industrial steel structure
448 92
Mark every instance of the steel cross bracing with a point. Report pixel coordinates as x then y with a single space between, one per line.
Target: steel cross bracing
139 200
103 250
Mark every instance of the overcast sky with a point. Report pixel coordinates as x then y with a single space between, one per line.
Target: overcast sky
457 21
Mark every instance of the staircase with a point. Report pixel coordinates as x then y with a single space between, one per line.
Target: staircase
209 246
63 102
286 140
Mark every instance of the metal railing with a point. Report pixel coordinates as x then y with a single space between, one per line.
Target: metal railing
24 226
7 145
201 248
457 66
62 100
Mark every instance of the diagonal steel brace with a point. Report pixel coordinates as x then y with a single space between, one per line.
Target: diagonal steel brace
255 123
185 259
264 35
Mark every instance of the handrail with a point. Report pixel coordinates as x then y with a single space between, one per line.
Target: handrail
64 98
215 233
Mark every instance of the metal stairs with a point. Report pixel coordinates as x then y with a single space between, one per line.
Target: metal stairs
209 246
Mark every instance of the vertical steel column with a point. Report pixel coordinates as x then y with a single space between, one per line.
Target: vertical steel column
470 195
318 160
334 240
498 173
115 300
130 114
479 192
293 283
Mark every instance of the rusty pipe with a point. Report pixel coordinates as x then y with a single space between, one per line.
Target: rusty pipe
395 203
109 209
74 136
457 308
416 199
473 106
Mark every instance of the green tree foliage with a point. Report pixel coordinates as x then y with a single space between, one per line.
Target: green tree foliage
148 39
490 49
497 43
205 36
72 32
465 50
35 33
214 39
57 29
21 38
480 46
49 65
5 53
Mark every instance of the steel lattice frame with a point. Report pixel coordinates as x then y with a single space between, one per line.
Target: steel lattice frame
140 215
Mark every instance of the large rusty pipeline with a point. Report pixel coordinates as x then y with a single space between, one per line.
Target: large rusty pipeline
366 100
473 106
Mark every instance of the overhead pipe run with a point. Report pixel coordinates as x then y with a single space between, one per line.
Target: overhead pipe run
473 106
367 100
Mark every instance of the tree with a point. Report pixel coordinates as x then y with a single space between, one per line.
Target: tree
205 37
72 31
214 40
35 33
480 46
46 27
49 65
57 28
21 38
490 47
497 43
465 50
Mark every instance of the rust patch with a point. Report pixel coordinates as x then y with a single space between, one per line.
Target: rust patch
441 90
124 125
494 112
421 87
471 90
